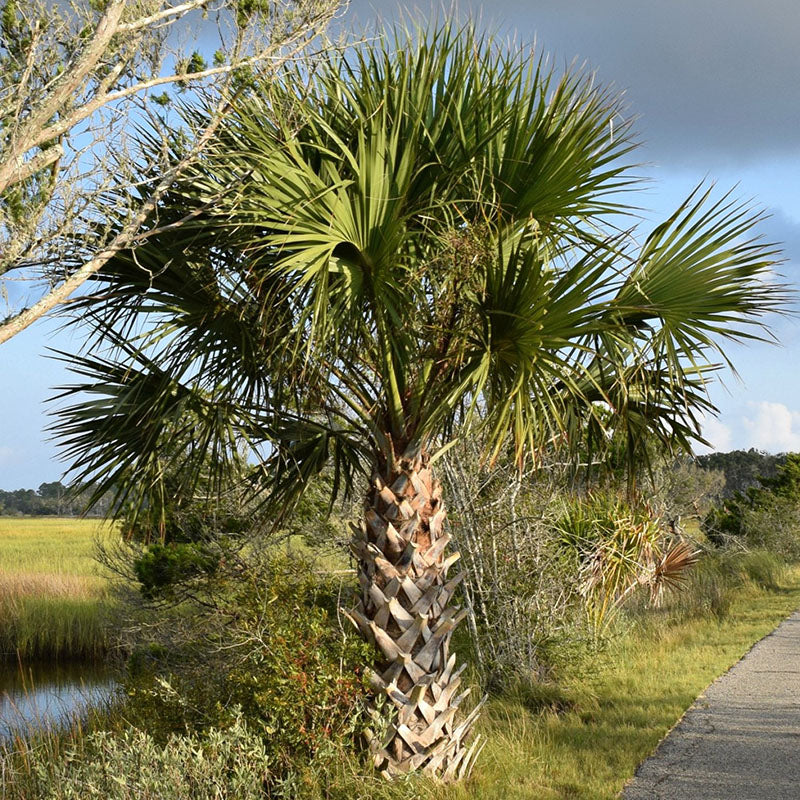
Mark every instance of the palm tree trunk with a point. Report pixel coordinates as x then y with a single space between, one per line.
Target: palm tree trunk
404 612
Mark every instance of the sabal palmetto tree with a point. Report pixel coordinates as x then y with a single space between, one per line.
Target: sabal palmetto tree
414 240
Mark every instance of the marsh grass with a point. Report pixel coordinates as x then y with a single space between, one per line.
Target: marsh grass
51 545
53 594
53 627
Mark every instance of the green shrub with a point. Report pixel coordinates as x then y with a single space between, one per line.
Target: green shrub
270 651
219 764
774 525
163 567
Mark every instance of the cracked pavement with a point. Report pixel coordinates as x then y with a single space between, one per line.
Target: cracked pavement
740 740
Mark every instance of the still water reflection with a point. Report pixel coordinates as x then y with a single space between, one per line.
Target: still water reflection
40 696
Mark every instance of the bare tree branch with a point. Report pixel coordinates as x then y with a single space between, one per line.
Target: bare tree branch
123 240
54 131
74 75
43 159
68 104
171 12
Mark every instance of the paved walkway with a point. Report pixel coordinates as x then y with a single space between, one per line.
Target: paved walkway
741 738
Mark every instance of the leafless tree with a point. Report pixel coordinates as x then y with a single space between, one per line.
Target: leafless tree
75 79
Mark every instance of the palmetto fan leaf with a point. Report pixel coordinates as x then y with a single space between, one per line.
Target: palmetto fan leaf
371 260
703 277
134 424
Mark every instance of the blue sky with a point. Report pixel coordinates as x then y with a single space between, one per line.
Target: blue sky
715 87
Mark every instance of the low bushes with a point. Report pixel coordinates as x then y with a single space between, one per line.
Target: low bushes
265 646
547 569
131 765
250 673
522 596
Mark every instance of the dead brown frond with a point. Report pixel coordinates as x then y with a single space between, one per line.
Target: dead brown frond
671 571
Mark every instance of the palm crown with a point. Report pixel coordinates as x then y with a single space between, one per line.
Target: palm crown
410 240
423 236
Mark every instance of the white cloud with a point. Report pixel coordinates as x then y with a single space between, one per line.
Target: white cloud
717 434
6 454
774 427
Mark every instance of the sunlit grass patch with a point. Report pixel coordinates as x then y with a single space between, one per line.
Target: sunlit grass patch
53 594
50 545
17 586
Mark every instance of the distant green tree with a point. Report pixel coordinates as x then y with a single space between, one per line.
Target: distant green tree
55 493
786 481
742 468
766 516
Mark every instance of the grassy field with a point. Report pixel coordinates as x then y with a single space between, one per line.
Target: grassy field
50 545
52 592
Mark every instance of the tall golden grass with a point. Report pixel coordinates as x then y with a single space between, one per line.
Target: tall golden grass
53 595
16 586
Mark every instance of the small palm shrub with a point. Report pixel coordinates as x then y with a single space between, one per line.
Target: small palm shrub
618 547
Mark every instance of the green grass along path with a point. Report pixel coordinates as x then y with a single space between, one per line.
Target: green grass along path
740 740
625 705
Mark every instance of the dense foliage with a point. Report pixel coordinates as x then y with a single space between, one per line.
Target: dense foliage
764 516
742 468
258 639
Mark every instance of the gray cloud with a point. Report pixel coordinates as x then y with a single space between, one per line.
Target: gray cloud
715 82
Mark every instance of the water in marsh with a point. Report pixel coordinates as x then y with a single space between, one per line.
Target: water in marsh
37 696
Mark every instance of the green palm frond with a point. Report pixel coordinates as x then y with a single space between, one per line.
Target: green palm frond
702 277
304 449
133 423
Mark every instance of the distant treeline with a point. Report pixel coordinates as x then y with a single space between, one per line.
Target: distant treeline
742 468
50 499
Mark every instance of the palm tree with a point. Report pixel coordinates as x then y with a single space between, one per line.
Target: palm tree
417 239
